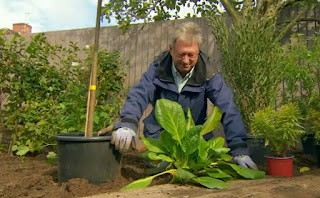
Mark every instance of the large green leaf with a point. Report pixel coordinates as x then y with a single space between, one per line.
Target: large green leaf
197 166
212 122
166 141
153 156
190 122
170 116
202 150
179 156
243 172
217 151
216 143
185 175
224 156
222 150
210 182
142 183
218 173
172 147
153 145
190 141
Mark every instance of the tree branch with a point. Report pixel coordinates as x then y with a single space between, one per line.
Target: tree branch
231 11
293 22
282 4
302 19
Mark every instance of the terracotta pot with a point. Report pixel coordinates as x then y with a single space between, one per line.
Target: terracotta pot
278 166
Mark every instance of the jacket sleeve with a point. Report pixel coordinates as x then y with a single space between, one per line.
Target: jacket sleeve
221 96
138 98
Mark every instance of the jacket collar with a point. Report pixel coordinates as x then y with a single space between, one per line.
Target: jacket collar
164 72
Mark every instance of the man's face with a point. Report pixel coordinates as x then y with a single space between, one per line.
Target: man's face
184 55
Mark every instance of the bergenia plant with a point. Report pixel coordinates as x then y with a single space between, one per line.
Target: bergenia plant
191 158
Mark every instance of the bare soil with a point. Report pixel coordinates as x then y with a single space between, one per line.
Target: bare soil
34 177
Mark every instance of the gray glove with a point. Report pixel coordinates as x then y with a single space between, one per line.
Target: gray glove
245 161
122 138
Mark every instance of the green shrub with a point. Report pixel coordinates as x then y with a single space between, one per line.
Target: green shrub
281 128
302 78
251 61
47 87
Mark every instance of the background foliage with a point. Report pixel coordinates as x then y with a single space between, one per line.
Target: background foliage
249 39
302 79
252 61
47 88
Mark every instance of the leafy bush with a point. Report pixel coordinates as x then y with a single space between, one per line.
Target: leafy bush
251 61
281 129
47 88
192 159
302 78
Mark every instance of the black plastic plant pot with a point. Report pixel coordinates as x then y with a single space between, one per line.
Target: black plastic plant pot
257 149
91 158
308 144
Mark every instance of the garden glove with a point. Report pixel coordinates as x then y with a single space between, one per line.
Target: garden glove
245 161
122 138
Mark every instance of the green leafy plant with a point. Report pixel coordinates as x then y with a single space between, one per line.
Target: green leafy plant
281 129
192 159
251 61
47 88
51 157
302 78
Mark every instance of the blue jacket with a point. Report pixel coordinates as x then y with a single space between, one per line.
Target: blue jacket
158 82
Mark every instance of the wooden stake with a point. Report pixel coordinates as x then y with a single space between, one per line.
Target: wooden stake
93 77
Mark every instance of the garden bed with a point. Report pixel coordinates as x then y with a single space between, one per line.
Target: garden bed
33 177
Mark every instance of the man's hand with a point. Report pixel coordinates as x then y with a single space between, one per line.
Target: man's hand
245 161
122 138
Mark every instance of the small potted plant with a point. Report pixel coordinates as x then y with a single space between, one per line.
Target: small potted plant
282 130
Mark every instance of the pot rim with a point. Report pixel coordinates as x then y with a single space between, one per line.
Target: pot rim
79 137
273 157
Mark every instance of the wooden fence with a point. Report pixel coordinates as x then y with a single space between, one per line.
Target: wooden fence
140 45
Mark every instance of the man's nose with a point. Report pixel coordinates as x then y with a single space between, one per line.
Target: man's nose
185 59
